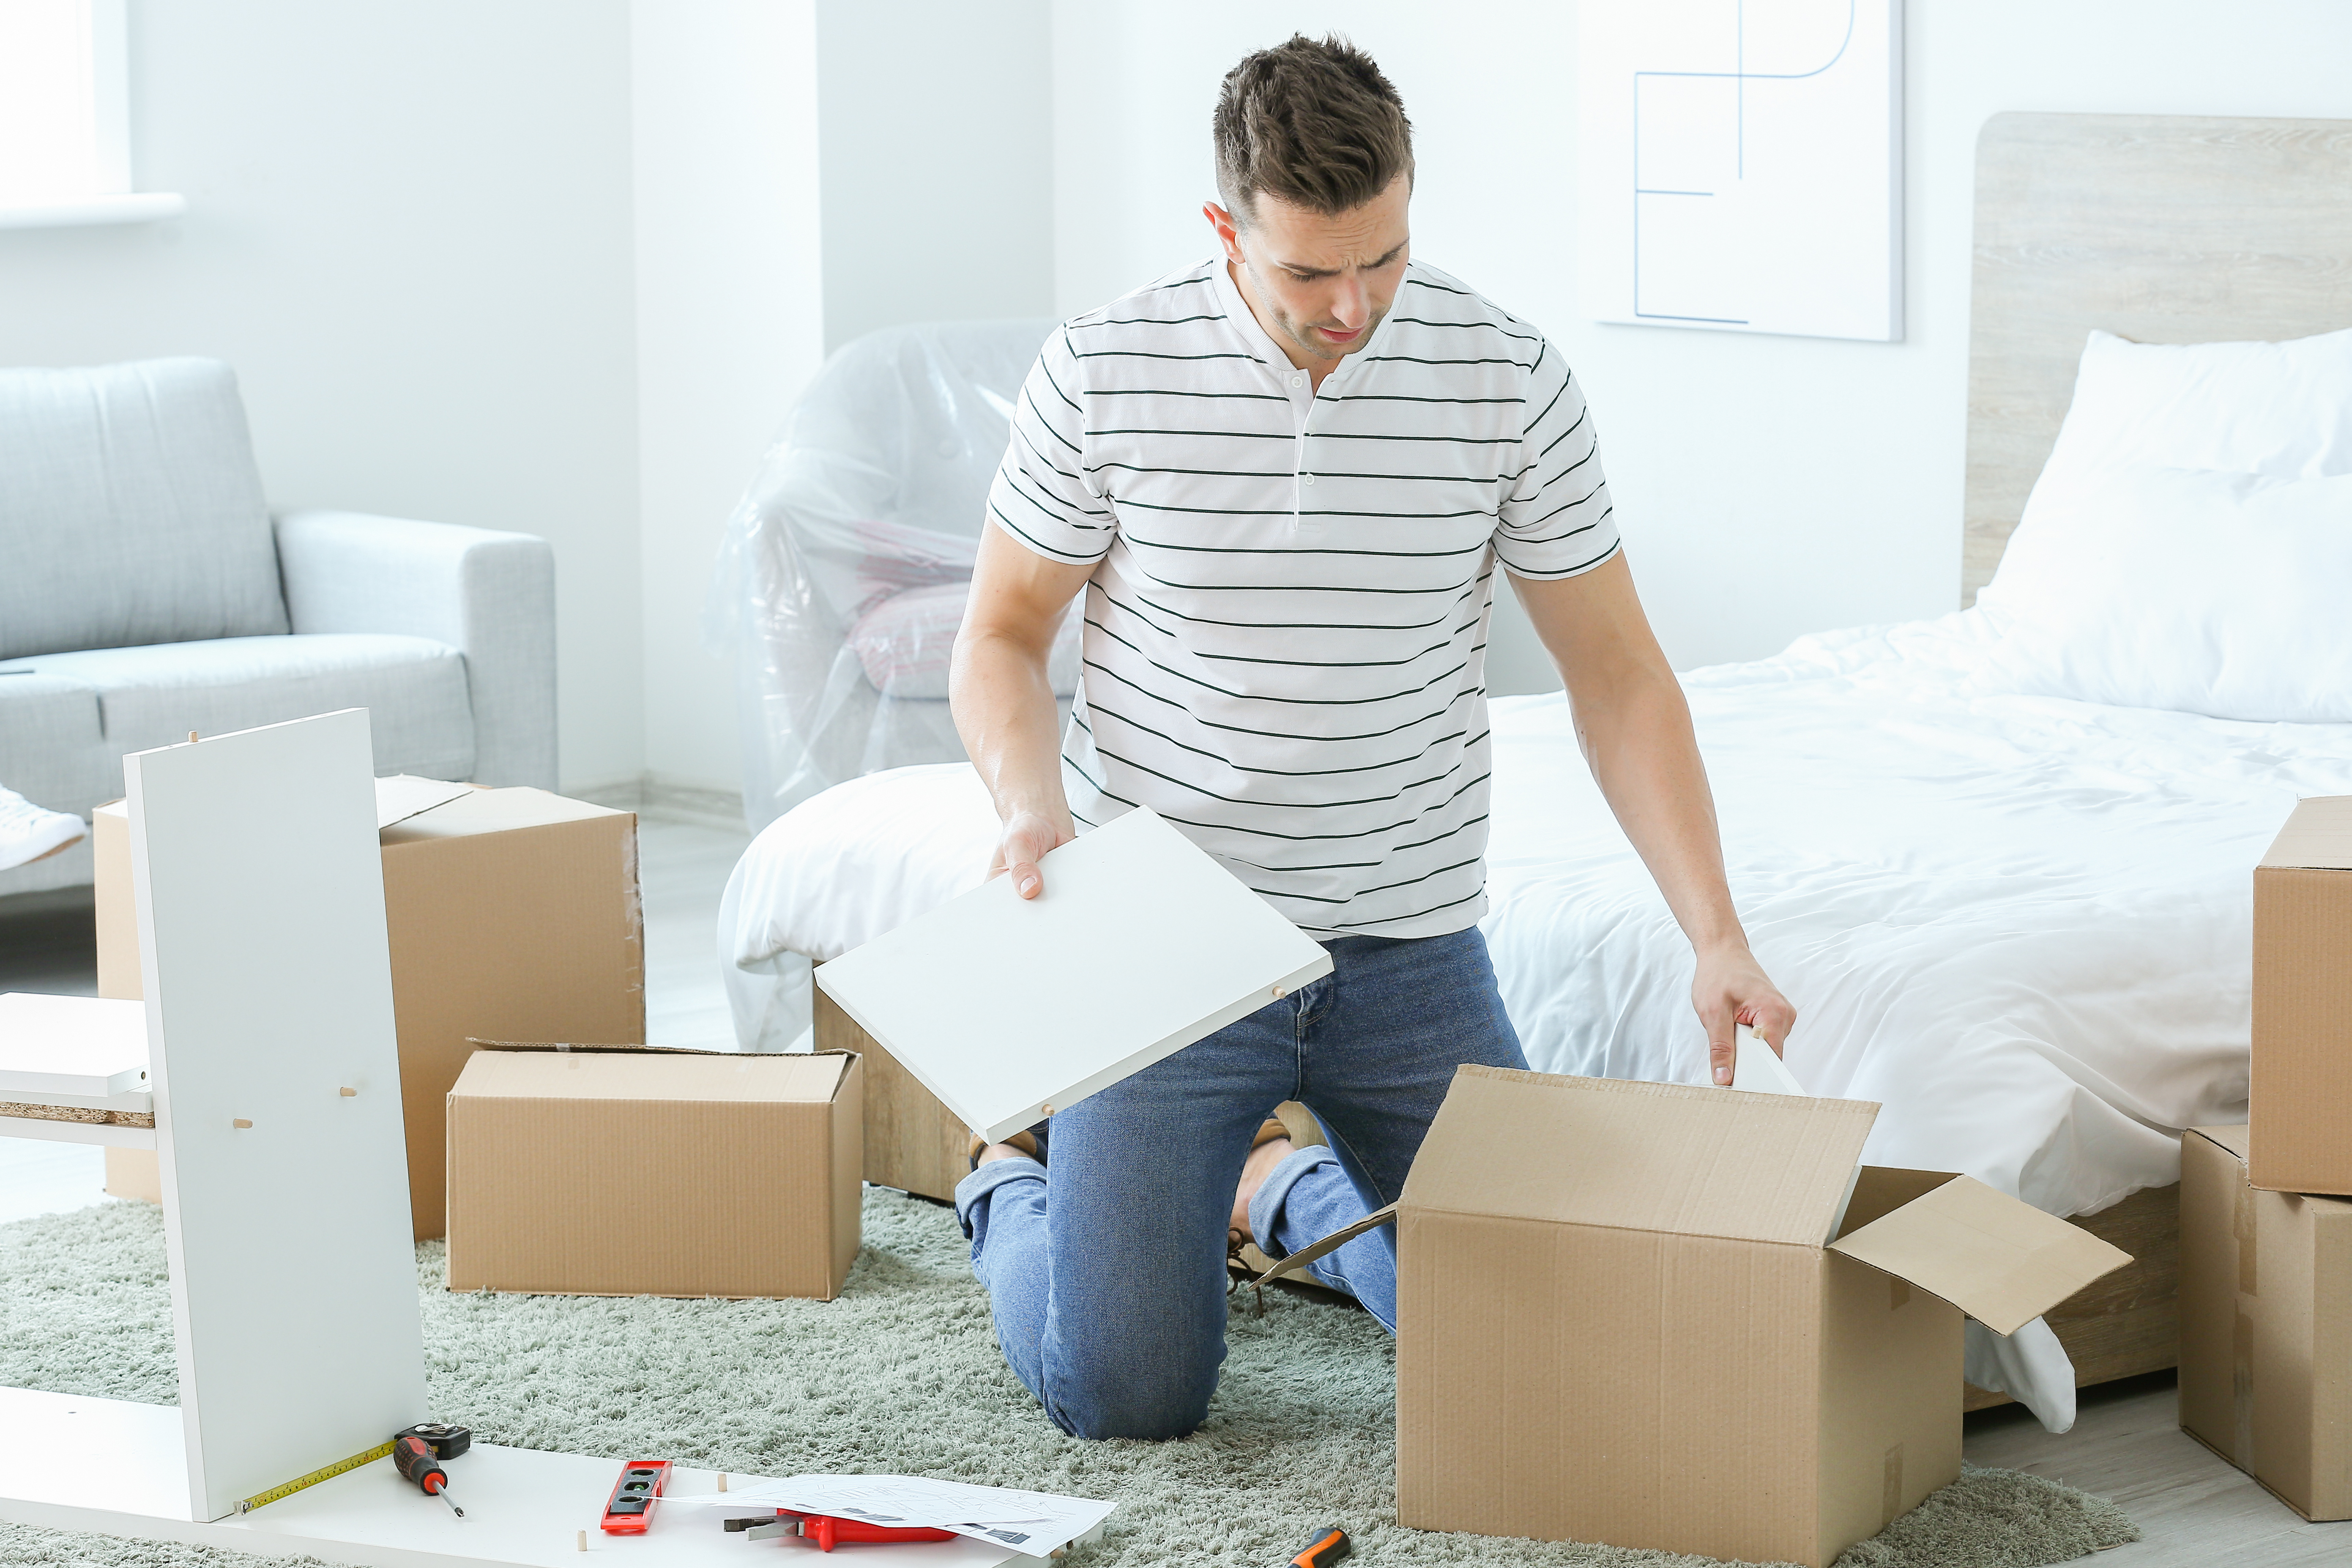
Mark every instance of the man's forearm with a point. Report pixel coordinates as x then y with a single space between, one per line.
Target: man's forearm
1003 705
1643 755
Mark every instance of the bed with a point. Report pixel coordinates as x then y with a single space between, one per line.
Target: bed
2018 920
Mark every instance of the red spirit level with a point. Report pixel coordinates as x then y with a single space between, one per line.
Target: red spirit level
631 1507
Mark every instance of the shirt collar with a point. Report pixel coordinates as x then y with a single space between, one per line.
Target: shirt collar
1253 336
1244 320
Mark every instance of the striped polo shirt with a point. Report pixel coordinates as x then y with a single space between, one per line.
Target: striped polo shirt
1285 631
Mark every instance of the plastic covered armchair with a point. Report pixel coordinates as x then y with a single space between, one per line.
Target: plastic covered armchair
846 565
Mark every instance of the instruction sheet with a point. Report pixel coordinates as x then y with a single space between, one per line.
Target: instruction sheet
1031 1523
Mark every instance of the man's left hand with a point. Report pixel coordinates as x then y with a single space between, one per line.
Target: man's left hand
1731 988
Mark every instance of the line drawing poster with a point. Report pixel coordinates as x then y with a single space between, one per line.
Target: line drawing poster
1741 165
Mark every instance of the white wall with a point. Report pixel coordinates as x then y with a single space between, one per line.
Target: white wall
1766 486
729 323
937 145
408 228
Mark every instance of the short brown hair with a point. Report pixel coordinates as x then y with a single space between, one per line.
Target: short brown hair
1313 123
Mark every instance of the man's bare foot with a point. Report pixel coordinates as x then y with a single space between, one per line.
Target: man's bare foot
1255 1171
1004 1151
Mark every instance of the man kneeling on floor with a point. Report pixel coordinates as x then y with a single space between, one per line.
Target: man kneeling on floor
1283 479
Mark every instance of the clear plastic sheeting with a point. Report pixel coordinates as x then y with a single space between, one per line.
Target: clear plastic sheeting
846 565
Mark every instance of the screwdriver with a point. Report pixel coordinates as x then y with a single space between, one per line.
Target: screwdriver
413 1457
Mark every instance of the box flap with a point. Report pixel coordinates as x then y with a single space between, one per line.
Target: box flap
1330 1244
639 1073
2002 1262
2232 1139
491 811
2317 836
1678 1158
402 795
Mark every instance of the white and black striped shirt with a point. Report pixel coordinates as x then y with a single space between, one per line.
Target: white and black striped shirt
1285 637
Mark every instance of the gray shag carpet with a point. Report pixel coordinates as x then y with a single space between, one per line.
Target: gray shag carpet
902 1373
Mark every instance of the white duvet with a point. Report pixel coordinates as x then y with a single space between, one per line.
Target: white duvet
2021 924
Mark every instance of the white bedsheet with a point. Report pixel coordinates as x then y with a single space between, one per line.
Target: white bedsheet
2021 924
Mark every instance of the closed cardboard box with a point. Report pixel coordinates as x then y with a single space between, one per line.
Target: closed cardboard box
609 1170
513 914
2300 1117
2266 1326
1687 1319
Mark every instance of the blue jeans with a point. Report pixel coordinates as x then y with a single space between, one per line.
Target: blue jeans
1108 1278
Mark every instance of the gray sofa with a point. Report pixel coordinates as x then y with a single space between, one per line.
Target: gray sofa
146 591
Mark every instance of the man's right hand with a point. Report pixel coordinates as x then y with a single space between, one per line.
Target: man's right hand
1027 836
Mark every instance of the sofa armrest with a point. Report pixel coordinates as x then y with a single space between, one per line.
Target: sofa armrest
489 596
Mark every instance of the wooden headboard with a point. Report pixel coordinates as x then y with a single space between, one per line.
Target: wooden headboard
2160 228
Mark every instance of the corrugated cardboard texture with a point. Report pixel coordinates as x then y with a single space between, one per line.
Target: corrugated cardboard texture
1575 1383
2002 1262
1695 1160
1880 1190
2266 1326
1890 1398
1617 1321
654 1173
118 917
2318 834
513 913
2300 1114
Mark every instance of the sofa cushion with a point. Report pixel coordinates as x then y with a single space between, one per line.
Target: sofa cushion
131 511
49 733
414 689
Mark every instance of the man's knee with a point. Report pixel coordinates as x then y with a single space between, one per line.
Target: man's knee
1162 1394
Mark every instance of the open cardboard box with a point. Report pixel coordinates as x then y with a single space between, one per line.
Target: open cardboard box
2300 1120
512 913
1688 1319
597 1170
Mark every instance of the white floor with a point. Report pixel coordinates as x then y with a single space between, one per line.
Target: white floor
2196 1510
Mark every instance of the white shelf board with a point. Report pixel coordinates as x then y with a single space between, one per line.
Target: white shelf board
112 1466
142 207
72 1050
1140 944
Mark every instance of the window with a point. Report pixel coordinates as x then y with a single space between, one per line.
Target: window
65 121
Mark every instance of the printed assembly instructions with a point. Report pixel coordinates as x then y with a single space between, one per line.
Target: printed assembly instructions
1031 1523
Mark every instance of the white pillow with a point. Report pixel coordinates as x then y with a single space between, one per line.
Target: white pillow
2222 594
2281 409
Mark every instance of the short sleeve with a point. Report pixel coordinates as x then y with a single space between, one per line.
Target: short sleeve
1041 496
1555 518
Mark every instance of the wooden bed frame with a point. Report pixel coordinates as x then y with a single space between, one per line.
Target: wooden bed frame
2156 228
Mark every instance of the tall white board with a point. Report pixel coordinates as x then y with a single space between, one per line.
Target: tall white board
259 885
1741 165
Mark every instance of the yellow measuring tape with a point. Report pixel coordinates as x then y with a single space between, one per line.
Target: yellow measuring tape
314 1478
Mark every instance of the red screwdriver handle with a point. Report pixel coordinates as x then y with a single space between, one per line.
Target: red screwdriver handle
413 1457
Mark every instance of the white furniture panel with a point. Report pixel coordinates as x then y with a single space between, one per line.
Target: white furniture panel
1140 944
259 884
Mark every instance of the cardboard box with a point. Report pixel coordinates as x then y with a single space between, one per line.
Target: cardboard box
1617 1321
2266 1326
612 1171
2301 1111
513 914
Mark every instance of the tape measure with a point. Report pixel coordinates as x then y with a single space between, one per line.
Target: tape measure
262 1499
